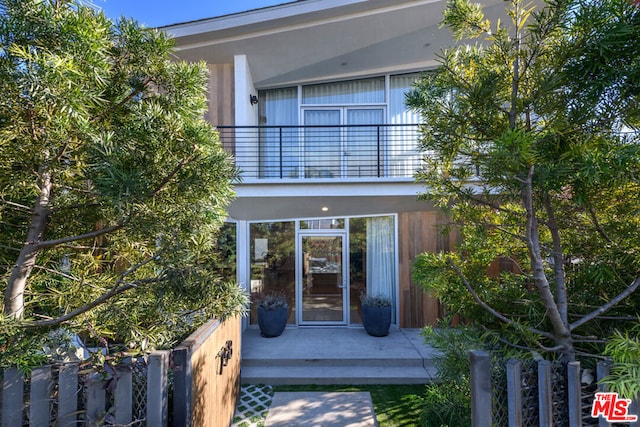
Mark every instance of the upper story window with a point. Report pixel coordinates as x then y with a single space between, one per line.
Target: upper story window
365 91
280 107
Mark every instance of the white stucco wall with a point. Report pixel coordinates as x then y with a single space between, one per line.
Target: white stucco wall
246 114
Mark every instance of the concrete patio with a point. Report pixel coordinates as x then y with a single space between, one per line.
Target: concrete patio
336 356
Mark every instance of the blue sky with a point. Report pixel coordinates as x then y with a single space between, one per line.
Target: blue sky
157 13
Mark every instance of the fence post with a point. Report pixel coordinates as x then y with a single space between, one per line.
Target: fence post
514 392
545 396
12 397
157 393
574 393
603 369
480 389
95 398
634 409
67 395
40 397
181 387
122 397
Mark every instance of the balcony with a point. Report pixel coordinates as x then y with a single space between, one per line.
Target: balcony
347 152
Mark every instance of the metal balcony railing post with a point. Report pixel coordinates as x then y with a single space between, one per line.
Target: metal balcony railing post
281 157
379 154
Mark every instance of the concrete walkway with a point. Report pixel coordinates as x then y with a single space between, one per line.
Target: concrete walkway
321 409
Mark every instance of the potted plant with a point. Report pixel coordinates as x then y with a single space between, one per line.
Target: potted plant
273 312
376 314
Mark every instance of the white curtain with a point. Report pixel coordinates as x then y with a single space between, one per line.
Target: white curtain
279 150
365 91
362 142
381 266
404 158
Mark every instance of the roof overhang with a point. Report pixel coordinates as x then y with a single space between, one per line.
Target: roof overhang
263 202
320 40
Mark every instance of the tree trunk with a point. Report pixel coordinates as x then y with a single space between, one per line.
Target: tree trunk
14 295
561 331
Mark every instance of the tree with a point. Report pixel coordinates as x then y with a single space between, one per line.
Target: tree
112 186
531 151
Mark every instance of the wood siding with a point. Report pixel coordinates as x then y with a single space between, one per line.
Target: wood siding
221 95
419 232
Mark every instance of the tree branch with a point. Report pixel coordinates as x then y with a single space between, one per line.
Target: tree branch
135 267
50 270
490 309
101 299
596 224
558 261
605 307
174 172
51 243
18 206
126 99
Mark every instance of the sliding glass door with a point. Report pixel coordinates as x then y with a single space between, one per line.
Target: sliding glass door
338 142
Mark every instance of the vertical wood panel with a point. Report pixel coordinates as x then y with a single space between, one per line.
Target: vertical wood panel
545 395
157 391
67 395
12 397
212 95
95 398
123 395
481 395
228 93
418 232
574 393
40 397
514 392
221 95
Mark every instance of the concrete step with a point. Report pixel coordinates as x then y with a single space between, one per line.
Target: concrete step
336 356
337 362
294 375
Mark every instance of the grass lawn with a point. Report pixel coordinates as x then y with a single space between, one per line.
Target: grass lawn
392 403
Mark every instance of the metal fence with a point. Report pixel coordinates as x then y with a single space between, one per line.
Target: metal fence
132 393
323 151
528 393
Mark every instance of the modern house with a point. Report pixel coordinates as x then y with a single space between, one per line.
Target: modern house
309 98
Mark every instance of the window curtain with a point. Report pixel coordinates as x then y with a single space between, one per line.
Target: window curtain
365 91
322 151
404 157
279 151
362 142
381 266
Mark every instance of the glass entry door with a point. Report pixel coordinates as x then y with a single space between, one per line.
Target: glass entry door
322 282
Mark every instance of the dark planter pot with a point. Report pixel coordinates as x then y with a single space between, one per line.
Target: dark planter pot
272 322
376 320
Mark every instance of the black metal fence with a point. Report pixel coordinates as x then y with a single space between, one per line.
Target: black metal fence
323 151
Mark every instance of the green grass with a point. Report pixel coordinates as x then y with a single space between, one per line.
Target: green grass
393 404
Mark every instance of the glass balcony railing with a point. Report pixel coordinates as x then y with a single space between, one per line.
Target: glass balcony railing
323 152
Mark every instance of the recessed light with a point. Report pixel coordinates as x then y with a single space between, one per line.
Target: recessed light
324 209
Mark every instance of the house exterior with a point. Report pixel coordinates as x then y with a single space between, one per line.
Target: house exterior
309 98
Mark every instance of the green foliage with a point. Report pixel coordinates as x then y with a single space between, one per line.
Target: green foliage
533 153
447 402
624 350
106 160
273 300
